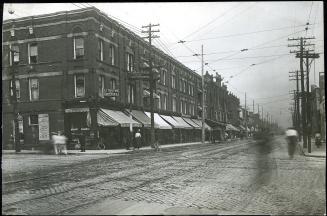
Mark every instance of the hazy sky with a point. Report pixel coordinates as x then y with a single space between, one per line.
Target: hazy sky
225 28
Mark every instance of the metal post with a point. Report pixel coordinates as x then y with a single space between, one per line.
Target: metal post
246 119
303 101
203 107
308 104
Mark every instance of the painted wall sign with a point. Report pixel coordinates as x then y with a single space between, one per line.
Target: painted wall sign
44 127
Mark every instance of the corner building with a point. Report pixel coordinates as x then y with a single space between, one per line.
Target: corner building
65 62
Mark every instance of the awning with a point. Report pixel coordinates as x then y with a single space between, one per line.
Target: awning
192 123
142 118
199 122
105 120
215 125
241 127
146 93
248 129
161 124
171 121
73 110
182 122
122 119
230 127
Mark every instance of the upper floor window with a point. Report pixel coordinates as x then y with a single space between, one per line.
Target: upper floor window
100 46
130 94
174 105
112 55
113 86
34 88
173 81
78 48
164 77
101 85
159 100
79 85
164 102
184 88
181 85
14 53
17 88
181 106
32 53
130 62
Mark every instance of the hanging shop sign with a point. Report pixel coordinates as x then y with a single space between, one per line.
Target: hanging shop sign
111 92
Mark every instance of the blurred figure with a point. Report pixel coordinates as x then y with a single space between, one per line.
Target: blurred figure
318 140
291 138
59 142
263 148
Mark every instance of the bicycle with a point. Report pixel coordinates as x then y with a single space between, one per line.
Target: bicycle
101 145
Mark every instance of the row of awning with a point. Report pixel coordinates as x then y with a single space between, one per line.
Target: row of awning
112 118
138 118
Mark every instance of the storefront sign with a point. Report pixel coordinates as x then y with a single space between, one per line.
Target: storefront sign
111 92
44 127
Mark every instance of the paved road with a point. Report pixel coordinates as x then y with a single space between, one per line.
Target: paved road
233 178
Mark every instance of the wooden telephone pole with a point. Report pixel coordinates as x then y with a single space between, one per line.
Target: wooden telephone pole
151 79
304 95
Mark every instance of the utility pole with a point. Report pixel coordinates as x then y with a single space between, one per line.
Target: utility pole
246 119
203 107
305 103
151 80
263 121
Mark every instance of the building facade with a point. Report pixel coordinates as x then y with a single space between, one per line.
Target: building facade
65 62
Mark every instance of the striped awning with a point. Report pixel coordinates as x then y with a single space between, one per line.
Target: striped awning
181 121
119 117
192 123
161 124
230 127
199 122
171 121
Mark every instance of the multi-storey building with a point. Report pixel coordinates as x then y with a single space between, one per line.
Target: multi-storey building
64 64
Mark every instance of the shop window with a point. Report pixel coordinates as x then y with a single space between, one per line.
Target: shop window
79 85
17 88
34 89
101 85
78 120
33 120
78 48
32 53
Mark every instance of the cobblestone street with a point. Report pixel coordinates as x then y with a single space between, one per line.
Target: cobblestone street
225 178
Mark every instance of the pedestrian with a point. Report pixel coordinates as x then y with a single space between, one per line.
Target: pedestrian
82 140
291 138
138 139
318 139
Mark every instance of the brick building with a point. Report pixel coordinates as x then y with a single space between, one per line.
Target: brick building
64 63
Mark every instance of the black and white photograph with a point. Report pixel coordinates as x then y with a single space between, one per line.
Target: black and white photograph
163 108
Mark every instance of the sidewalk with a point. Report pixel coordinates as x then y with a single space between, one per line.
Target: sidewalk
109 151
315 152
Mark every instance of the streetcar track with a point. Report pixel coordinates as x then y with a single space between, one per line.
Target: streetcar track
204 152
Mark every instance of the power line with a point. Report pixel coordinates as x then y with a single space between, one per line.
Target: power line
197 30
246 33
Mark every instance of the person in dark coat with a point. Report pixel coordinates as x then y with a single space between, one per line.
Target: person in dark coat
82 140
